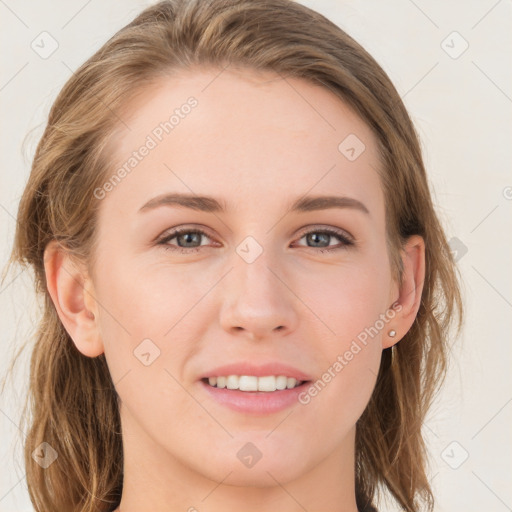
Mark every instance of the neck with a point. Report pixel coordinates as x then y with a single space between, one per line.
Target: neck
157 481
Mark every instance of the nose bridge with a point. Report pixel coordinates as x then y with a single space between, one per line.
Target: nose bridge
256 300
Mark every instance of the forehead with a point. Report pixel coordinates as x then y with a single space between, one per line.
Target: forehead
240 134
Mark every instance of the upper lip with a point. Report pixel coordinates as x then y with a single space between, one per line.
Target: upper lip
257 370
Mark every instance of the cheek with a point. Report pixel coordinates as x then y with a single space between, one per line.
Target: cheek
350 358
145 301
352 308
149 320
348 301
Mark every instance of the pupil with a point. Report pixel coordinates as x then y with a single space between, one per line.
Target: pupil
187 236
314 237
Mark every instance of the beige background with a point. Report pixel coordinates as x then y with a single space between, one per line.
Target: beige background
461 104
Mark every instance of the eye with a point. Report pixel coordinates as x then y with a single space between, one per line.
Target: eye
320 237
186 239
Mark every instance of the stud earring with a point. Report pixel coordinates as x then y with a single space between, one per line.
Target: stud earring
392 333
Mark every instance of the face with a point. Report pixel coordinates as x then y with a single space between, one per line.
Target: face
263 280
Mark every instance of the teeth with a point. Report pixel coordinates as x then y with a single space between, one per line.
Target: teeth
251 383
281 382
232 382
266 383
245 383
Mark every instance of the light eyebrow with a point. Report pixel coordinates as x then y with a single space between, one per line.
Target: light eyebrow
314 203
201 203
211 205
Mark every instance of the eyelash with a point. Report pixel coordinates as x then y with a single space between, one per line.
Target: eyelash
347 242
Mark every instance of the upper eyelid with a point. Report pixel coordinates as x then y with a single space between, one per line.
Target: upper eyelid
331 229
174 232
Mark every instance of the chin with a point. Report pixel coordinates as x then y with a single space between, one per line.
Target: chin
258 461
262 474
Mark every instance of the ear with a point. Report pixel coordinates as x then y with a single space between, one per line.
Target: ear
72 293
409 299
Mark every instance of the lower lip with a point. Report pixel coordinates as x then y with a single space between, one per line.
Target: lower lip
255 402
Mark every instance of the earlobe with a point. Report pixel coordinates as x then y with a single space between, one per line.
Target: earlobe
72 294
409 300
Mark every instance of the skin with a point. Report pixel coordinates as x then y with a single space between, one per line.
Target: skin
257 142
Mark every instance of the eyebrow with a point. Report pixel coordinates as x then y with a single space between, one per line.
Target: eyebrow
211 205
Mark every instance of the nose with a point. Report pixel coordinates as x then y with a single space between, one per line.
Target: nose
258 300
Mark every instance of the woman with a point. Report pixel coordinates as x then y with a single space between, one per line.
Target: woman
247 290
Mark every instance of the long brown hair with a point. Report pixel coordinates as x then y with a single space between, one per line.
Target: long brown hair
73 402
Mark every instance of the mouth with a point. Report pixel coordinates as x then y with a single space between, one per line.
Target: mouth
253 384
257 388
250 394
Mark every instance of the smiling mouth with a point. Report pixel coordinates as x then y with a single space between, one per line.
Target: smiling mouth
251 383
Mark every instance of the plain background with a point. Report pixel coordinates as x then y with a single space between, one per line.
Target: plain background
460 101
